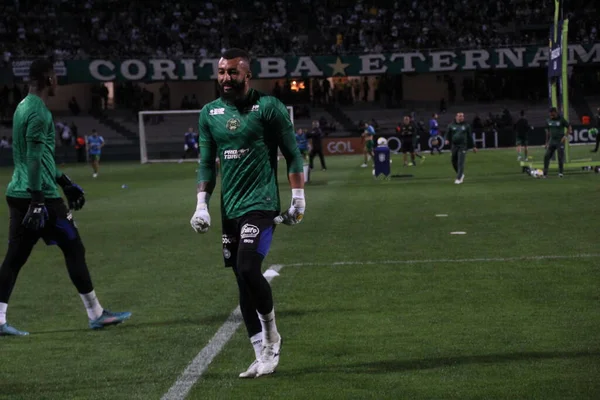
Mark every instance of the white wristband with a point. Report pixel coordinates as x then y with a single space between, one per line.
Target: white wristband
203 198
297 193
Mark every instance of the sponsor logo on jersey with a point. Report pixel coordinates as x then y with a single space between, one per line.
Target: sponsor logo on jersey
249 231
234 154
217 111
249 241
233 124
255 108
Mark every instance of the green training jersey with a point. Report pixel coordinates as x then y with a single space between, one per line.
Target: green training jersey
556 127
246 138
33 150
459 135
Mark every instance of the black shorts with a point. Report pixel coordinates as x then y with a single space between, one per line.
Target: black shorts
250 232
407 146
60 226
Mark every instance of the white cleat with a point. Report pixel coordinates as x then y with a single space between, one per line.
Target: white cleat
457 182
364 166
462 178
95 175
269 358
252 371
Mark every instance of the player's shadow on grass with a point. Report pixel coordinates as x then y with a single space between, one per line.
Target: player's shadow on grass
216 319
50 332
317 183
390 366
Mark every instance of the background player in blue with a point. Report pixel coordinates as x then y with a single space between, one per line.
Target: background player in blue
190 145
95 144
35 206
434 133
302 141
367 137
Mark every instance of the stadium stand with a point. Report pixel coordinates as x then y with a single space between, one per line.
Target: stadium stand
113 28
85 125
96 28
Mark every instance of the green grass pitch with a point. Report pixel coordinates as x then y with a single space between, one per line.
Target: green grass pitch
391 306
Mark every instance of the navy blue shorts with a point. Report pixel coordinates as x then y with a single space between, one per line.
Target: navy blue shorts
60 226
250 232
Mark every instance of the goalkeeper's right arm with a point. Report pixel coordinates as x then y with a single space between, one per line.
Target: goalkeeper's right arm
207 177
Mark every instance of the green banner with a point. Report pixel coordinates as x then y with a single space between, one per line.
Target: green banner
156 70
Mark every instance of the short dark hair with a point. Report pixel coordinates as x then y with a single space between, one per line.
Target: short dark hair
39 71
234 52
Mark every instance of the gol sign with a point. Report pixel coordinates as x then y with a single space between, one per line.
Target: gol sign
339 146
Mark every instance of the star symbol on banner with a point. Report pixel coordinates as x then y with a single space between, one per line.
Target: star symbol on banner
338 68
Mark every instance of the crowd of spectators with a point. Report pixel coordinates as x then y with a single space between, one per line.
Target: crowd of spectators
150 28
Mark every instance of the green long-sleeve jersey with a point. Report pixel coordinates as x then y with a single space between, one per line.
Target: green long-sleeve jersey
459 135
246 138
33 148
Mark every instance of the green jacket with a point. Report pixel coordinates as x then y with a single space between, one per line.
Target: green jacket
460 135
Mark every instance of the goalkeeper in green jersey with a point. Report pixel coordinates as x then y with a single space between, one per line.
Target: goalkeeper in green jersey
245 128
35 206
555 140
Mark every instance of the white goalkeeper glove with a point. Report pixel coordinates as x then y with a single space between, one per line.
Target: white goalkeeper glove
295 213
201 220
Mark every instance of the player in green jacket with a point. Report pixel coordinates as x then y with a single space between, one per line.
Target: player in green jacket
460 137
556 137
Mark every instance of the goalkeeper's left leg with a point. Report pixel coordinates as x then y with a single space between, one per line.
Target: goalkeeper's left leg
255 236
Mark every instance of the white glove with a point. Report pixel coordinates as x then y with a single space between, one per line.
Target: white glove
295 213
201 220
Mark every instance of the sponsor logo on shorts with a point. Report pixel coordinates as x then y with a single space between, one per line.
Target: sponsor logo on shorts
70 218
228 239
226 254
249 241
249 231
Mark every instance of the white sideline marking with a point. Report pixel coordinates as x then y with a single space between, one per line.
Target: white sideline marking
445 260
200 363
